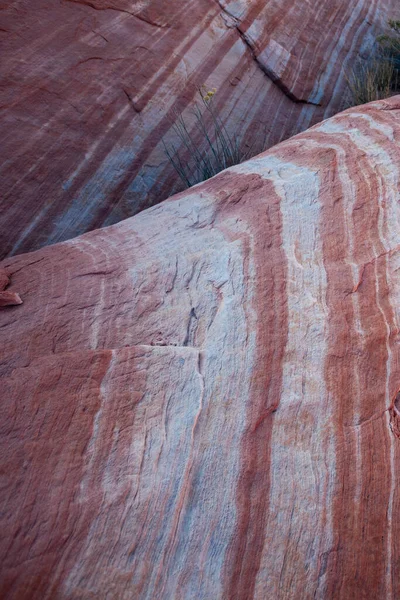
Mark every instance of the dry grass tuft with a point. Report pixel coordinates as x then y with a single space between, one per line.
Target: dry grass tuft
207 148
372 81
378 77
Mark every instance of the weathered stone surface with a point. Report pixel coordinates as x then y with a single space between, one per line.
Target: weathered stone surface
90 87
7 298
203 401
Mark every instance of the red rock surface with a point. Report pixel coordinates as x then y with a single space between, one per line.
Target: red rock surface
90 87
203 400
7 298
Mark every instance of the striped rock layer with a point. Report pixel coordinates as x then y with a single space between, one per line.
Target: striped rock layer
89 88
203 401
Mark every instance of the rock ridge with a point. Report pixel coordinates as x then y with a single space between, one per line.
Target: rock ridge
203 400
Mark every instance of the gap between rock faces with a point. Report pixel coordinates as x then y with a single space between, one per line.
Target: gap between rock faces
268 72
114 180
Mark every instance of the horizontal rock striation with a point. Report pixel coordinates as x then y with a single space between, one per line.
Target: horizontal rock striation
89 88
202 401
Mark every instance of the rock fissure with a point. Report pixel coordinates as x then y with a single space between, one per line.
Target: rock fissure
368 420
394 411
191 328
368 264
131 101
267 72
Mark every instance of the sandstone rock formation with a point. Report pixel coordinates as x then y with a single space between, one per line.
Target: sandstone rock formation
90 87
7 298
203 401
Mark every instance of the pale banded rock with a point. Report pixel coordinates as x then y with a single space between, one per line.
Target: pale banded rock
201 401
91 87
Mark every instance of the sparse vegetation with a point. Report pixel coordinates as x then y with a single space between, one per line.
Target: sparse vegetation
371 81
390 44
207 148
378 77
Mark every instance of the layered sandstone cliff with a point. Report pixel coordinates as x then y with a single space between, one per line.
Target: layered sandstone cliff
202 401
90 87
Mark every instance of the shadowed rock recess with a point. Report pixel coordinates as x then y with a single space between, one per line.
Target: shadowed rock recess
89 88
202 401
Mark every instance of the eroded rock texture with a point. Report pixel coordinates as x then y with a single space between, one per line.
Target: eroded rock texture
7 298
202 401
90 87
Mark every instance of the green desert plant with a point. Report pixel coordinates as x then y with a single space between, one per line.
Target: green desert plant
378 77
207 148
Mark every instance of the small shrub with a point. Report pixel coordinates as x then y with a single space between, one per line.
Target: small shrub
390 44
208 148
371 81
379 77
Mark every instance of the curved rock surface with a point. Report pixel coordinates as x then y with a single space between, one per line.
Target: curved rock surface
90 87
203 401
